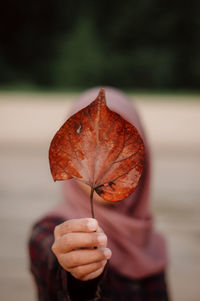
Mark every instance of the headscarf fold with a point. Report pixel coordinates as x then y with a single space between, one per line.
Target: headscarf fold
137 250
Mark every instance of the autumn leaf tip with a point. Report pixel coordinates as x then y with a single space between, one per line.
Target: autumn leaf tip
101 93
102 90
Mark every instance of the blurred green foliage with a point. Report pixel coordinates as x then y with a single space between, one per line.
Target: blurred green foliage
146 44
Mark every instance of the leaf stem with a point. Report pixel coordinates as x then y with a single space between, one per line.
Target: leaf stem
91 201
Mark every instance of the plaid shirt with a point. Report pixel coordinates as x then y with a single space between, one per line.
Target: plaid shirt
55 284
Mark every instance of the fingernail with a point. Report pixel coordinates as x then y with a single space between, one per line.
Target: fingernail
101 238
107 253
92 224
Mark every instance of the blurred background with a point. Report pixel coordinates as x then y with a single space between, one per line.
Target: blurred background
144 44
49 53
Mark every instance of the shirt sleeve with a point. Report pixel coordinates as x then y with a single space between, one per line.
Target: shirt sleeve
51 280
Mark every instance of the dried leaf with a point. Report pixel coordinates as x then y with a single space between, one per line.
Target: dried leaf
98 147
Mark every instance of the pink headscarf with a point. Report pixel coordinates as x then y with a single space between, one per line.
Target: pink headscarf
137 250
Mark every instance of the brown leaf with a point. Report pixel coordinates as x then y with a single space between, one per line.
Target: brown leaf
98 147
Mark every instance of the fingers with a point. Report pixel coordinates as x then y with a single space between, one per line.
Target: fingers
83 257
92 275
73 241
82 272
76 225
74 247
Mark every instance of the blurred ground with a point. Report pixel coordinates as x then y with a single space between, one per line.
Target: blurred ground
28 123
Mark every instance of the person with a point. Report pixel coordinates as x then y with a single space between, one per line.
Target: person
116 256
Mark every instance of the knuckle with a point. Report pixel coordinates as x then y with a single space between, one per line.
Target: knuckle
56 230
79 272
91 275
72 260
76 275
66 225
62 228
54 248
65 261
67 240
